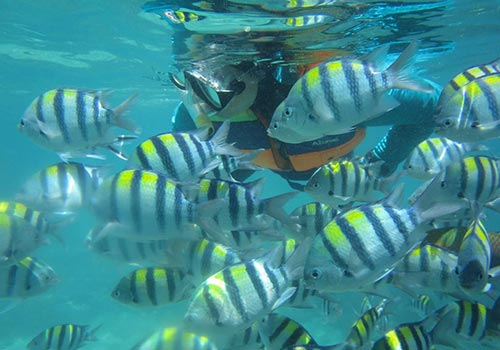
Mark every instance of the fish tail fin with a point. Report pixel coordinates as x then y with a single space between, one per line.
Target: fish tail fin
403 74
220 144
274 207
91 333
120 110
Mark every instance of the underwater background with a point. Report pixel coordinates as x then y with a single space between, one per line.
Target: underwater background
118 45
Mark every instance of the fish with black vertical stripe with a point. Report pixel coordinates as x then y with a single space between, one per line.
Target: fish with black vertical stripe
150 204
232 299
434 154
335 96
26 278
183 156
474 181
408 336
61 188
74 122
153 286
472 112
363 244
63 337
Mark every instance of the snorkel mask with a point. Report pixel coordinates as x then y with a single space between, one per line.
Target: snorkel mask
226 92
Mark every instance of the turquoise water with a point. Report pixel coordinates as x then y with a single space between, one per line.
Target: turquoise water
116 45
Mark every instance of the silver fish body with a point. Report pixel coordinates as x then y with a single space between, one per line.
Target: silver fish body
333 97
73 121
26 278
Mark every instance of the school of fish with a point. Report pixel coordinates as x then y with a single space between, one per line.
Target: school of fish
192 234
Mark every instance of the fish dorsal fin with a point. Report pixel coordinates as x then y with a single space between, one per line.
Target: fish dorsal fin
377 58
255 187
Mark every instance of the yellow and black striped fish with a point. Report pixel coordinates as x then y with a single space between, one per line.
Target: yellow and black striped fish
431 156
63 337
333 97
61 188
472 113
150 203
360 245
183 156
468 76
241 294
362 329
474 179
26 278
281 332
474 259
409 336
73 122
153 286
461 324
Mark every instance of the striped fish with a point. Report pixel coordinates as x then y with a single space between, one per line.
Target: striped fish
426 267
433 155
234 298
313 217
361 245
333 97
461 325
201 258
474 179
153 286
18 239
280 332
362 329
468 76
176 339
26 278
73 122
472 113
408 336
150 203
183 156
474 259
34 217
60 188
341 182
63 337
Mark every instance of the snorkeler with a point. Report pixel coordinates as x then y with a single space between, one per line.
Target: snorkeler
248 94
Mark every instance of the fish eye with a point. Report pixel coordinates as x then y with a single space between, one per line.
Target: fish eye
288 112
275 125
311 117
316 274
447 122
479 276
22 123
116 293
443 184
315 185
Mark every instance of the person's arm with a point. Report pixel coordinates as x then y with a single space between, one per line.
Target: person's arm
412 123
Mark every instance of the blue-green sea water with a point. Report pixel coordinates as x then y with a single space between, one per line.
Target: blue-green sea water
118 45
